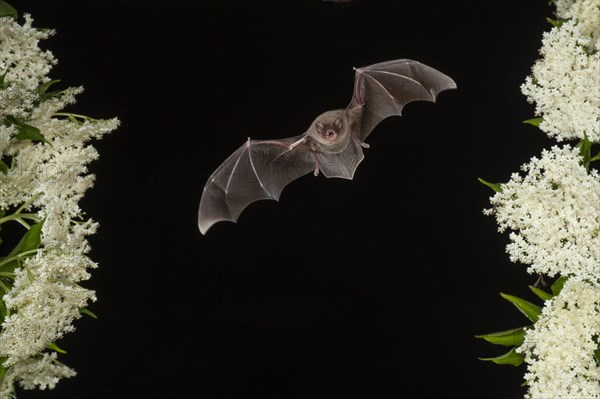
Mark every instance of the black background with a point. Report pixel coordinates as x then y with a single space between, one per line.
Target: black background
366 289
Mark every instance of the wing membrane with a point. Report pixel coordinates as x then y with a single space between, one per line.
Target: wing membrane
381 90
259 169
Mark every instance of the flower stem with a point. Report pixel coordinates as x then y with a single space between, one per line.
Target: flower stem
75 116
19 218
26 204
4 287
21 255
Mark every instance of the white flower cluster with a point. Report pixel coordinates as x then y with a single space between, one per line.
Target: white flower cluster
587 15
560 350
553 210
565 82
16 101
553 213
20 56
52 177
43 372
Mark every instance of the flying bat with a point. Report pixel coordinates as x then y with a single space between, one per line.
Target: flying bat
332 145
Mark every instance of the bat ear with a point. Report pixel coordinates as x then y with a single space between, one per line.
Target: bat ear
338 123
320 127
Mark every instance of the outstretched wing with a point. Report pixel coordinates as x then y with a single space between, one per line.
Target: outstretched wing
381 90
259 169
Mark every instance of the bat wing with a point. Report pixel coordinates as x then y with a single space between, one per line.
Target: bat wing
259 169
381 90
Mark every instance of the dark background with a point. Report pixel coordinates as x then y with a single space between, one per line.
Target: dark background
366 289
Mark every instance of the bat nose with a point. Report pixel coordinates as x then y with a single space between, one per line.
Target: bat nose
330 135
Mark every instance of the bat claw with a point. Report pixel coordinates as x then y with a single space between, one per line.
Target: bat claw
316 172
364 145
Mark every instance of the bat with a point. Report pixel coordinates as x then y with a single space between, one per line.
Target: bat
332 145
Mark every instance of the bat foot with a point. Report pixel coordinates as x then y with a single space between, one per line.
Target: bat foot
317 164
359 141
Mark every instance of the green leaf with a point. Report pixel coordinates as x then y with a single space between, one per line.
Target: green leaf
557 286
43 93
2 310
28 132
531 311
557 23
2 77
597 355
6 10
534 121
497 187
88 312
3 167
512 337
3 369
595 157
52 346
585 151
543 295
43 88
30 241
1 216
510 357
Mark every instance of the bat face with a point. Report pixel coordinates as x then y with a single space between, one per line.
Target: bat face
331 131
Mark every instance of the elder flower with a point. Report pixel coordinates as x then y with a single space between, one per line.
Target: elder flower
20 56
47 179
564 82
43 372
553 213
559 349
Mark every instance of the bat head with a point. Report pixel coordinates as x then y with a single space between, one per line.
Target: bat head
331 128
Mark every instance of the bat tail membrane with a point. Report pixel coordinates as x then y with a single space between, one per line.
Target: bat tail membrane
382 90
342 164
257 170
